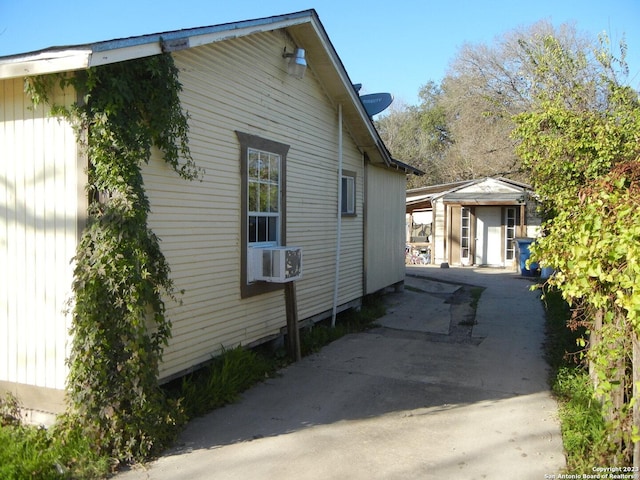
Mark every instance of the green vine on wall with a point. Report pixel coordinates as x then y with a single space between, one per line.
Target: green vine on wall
121 277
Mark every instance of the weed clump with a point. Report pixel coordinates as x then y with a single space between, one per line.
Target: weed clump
584 432
28 451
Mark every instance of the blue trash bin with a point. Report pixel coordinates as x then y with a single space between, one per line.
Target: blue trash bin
523 256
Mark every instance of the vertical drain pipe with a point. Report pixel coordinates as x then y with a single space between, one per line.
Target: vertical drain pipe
339 225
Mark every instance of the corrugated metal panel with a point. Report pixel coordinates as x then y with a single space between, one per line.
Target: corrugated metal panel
38 237
243 85
385 223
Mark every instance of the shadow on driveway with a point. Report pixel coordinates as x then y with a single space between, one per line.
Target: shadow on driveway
404 400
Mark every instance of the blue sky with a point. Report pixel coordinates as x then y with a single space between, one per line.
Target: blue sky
393 46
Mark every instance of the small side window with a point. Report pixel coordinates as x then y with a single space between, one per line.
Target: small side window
348 207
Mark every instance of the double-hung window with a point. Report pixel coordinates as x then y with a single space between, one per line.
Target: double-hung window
262 203
263 215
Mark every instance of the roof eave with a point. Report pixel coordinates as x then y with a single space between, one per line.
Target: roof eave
408 169
340 88
64 59
44 62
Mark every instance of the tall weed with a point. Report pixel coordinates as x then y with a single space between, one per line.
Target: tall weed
222 382
584 432
28 451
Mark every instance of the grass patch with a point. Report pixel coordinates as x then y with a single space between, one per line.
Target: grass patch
561 348
467 323
221 383
49 454
476 293
583 427
61 453
349 321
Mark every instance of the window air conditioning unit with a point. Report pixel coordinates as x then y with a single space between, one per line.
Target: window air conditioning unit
275 264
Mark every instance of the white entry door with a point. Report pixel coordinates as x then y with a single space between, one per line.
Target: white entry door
489 242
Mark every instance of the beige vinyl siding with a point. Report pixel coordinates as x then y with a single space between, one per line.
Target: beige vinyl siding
242 85
385 228
39 206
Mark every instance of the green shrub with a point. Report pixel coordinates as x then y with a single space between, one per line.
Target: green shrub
349 321
9 410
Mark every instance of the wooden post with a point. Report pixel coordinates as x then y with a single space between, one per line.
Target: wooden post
293 334
594 341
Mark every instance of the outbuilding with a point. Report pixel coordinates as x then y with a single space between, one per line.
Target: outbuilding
474 222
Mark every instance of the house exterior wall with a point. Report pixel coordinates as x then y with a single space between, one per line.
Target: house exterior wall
235 85
41 195
385 228
242 85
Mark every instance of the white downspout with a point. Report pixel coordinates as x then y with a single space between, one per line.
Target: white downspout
339 233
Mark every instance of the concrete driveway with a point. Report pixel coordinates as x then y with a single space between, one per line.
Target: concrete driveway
427 395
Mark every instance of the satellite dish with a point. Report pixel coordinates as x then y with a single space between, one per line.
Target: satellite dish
376 102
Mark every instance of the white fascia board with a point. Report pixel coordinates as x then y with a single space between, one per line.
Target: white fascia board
197 40
45 62
103 53
185 38
339 67
419 198
355 98
123 54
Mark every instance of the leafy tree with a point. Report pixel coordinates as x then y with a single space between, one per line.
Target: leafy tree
580 142
462 128
417 135
488 85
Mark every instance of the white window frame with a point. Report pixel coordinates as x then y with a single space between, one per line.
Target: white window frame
265 186
511 218
465 235
348 185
